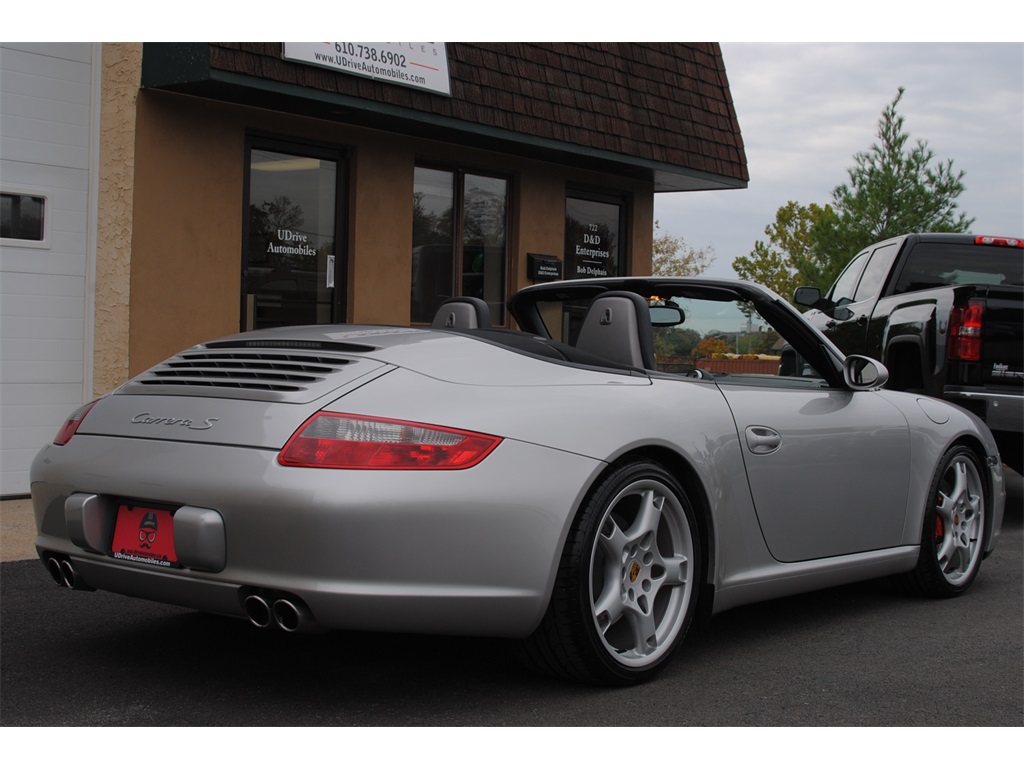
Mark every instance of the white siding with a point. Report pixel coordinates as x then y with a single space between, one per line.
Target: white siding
48 116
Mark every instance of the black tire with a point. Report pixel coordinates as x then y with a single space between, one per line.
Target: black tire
953 534
627 582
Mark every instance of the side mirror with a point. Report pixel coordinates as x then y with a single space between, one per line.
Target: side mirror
807 296
664 317
864 373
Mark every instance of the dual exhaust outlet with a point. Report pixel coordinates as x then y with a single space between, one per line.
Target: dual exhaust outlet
64 574
282 611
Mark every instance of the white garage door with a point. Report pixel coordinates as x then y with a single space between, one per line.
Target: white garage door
48 134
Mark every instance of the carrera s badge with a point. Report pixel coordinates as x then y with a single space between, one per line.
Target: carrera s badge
170 421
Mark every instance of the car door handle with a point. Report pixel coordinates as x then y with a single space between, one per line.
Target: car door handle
763 440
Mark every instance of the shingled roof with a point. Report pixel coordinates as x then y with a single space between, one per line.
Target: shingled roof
661 111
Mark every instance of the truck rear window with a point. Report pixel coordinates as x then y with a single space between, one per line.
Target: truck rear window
932 265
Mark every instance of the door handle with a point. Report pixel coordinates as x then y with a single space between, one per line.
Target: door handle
762 440
330 271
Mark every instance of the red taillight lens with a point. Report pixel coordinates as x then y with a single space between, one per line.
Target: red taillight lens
965 333
344 441
72 424
1013 242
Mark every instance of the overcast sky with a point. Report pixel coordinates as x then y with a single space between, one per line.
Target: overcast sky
805 109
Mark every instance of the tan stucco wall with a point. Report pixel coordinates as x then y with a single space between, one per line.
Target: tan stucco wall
187 237
188 215
380 216
642 233
122 66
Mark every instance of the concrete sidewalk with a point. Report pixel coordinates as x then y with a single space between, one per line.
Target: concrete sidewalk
17 530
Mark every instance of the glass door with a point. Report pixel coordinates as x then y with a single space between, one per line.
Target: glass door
291 272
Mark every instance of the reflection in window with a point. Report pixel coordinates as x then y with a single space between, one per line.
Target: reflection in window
433 247
842 291
291 237
484 241
460 241
875 273
592 236
931 265
21 216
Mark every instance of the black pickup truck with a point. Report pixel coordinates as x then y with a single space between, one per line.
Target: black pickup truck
945 314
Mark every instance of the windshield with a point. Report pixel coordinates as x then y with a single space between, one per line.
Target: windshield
722 337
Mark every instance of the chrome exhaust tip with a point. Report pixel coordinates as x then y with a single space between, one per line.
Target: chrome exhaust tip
53 566
258 612
288 616
68 573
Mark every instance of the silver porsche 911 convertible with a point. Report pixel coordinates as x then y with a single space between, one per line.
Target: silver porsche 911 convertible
643 448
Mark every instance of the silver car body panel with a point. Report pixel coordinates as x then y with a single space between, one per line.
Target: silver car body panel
364 549
810 505
475 551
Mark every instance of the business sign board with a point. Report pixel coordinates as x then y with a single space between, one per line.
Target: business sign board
542 267
415 65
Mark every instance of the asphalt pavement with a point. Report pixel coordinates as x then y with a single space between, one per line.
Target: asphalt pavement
862 655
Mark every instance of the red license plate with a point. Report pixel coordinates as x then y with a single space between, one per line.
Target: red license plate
144 535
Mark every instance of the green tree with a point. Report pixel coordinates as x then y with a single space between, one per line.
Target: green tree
672 257
893 188
772 264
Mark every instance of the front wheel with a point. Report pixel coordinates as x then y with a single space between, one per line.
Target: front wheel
954 527
627 581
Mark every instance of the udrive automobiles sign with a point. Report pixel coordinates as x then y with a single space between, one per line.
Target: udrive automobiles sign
416 65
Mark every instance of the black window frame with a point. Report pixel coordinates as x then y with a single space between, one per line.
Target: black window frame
324 151
15 232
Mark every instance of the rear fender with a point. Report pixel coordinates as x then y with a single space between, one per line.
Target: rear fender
911 329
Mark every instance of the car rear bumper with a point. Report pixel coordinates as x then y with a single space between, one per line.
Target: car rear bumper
458 552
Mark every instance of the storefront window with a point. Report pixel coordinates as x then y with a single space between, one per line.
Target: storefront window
593 236
460 241
433 246
594 227
291 261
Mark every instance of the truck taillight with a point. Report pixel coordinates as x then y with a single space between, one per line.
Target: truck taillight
965 332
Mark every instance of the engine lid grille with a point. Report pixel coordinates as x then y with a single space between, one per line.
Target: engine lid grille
274 372
271 374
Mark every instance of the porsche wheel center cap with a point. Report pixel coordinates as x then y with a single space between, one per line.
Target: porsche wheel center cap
634 571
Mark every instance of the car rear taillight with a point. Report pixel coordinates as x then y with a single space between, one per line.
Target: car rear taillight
965 332
1013 242
344 441
72 424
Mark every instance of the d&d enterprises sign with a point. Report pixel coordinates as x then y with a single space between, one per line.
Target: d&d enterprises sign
416 65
